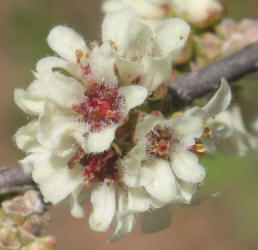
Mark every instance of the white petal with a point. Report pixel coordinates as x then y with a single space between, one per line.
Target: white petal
97 142
156 71
103 202
29 103
188 128
56 181
102 63
156 220
51 62
171 36
63 90
115 28
139 40
28 162
58 126
112 5
124 226
187 190
65 41
186 166
76 207
128 71
163 184
133 173
219 101
134 96
138 200
137 178
26 137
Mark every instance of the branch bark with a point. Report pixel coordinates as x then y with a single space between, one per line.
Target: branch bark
184 91
199 83
14 179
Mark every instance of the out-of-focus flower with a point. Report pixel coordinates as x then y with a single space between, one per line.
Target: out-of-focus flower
200 13
150 12
229 135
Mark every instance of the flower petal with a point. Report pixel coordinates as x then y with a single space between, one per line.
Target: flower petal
65 41
58 126
219 101
97 142
56 181
63 90
76 207
134 96
188 128
115 28
133 173
29 103
163 184
186 166
124 226
128 72
103 202
140 39
171 36
156 71
102 63
187 190
26 137
138 200
51 62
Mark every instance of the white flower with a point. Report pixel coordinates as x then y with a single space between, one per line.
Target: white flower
229 135
225 131
200 13
165 160
87 110
143 8
144 56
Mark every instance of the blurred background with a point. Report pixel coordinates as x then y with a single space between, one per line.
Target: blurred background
226 222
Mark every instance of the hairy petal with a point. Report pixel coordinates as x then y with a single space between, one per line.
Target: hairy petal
163 184
171 36
103 202
65 41
186 166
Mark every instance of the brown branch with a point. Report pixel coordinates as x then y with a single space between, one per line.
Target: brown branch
185 90
198 83
14 179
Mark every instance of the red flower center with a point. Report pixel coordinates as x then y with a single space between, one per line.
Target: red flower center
160 141
98 167
102 107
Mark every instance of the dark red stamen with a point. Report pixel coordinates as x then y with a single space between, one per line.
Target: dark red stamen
98 167
102 107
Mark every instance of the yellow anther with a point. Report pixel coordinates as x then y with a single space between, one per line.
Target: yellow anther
200 148
113 45
78 53
207 133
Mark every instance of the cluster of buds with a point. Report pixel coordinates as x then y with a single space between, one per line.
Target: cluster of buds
100 127
22 220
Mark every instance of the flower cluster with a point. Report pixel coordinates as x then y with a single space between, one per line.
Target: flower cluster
200 13
83 106
100 129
